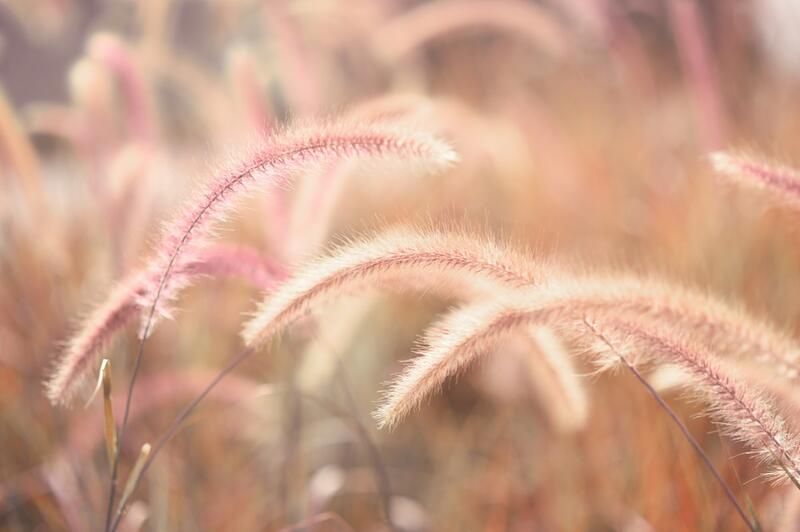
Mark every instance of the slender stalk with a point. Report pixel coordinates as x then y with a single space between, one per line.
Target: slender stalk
176 424
688 435
383 481
190 408
131 385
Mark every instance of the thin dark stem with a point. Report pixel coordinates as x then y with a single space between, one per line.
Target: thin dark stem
149 323
145 333
688 435
179 419
129 399
293 411
382 476
325 405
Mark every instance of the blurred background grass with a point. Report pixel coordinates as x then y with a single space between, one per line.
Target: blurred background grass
583 130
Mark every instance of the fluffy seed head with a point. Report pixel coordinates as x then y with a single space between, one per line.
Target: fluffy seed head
562 302
274 163
781 182
72 371
445 263
555 382
742 410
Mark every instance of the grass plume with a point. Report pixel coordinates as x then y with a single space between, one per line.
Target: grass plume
72 371
434 261
780 182
274 164
743 412
475 330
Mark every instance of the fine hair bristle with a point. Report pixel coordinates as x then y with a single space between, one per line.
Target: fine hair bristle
778 181
743 411
274 162
561 301
72 370
446 263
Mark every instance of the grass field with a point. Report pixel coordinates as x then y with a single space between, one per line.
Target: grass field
458 265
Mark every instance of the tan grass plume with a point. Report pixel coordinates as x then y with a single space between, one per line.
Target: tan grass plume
444 262
742 411
475 330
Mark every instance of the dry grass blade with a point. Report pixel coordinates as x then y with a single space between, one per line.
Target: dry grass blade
110 426
133 481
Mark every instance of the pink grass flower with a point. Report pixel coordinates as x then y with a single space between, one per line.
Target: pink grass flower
444 263
743 412
273 164
72 371
475 330
781 182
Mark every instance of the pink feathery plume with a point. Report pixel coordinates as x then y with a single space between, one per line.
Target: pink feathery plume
120 308
743 411
317 197
299 78
475 330
313 209
273 164
238 262
443 263
71 371
244 81
190 232
781 182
